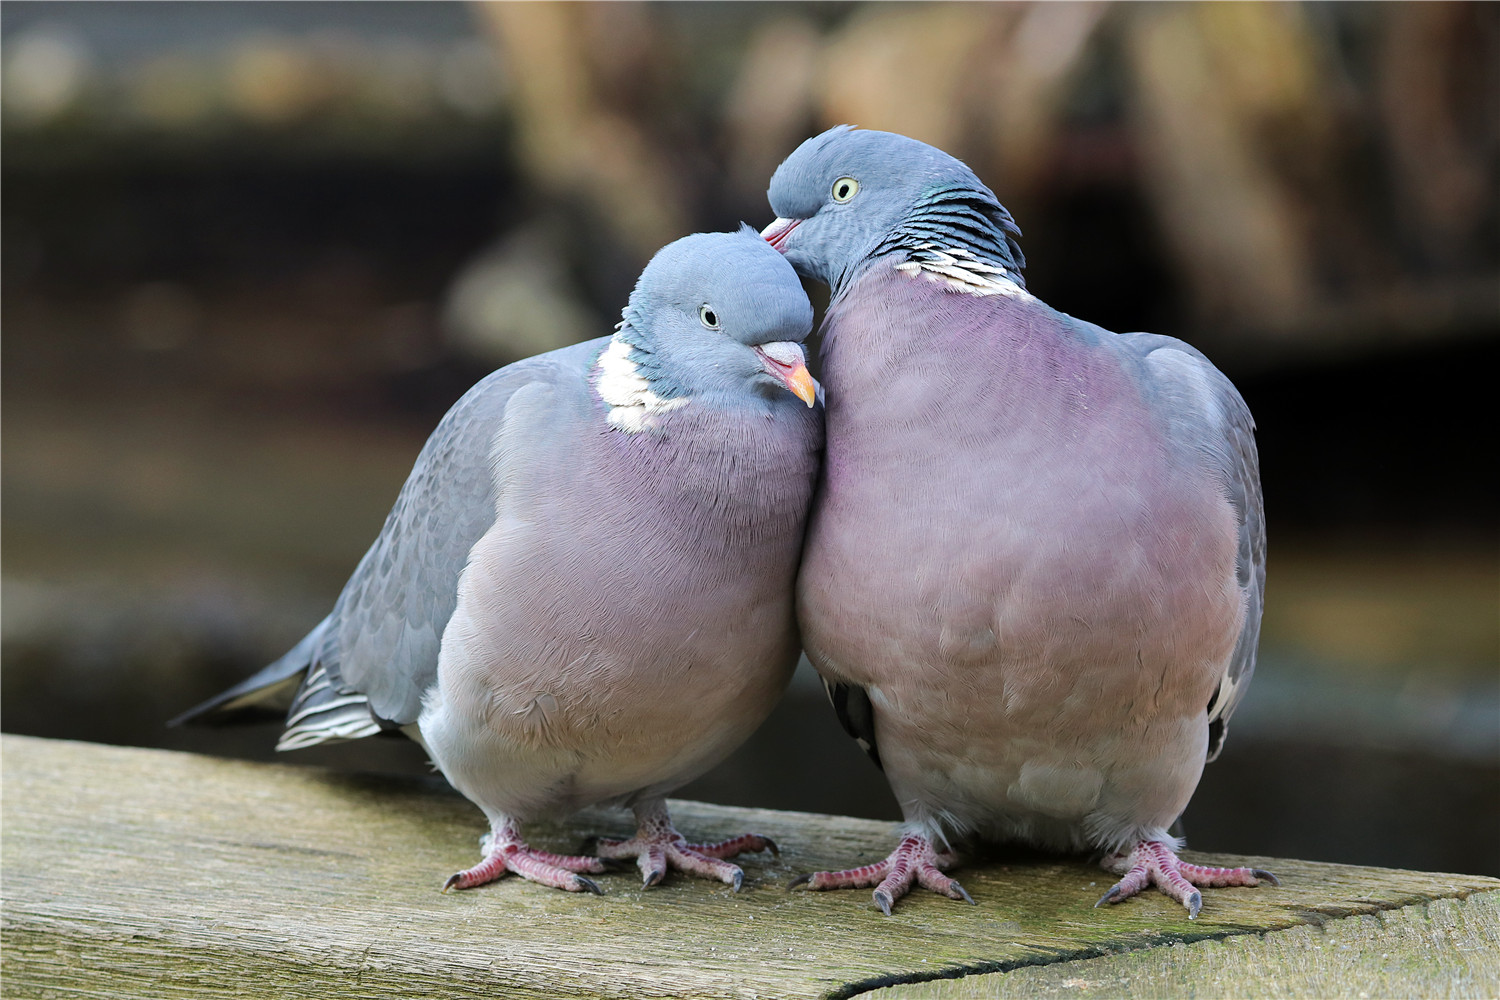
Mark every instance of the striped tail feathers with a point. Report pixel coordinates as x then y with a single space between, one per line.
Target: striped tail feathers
299 686
323 713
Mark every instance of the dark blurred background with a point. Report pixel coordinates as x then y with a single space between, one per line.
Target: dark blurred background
251 253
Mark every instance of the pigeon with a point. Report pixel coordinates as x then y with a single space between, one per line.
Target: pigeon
585 591
1034 570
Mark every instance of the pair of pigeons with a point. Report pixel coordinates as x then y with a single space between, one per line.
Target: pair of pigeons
1027 560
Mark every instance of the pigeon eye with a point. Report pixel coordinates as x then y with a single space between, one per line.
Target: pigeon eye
844 189
708 317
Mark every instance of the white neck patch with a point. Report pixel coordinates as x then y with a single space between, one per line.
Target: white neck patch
962 271
633 407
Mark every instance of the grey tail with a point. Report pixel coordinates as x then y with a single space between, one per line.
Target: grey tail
325 712
265 694
299 685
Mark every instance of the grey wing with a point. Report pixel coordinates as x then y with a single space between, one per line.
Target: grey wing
377 653
851 703
1242 474
1207 412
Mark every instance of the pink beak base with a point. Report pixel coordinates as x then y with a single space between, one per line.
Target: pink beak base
777 232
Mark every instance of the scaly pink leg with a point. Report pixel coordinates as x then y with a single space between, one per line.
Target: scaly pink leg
658 846
913 860
1155 863
505 851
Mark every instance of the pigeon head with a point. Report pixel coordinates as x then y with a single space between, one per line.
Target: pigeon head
714 315
849 195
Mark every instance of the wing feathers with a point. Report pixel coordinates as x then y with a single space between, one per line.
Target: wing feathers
851 703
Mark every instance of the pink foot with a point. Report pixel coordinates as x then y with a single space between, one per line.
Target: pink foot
657 846
1155 863
913 860
505 851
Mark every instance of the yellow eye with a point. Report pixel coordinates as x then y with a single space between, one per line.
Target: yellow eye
708 317
844 189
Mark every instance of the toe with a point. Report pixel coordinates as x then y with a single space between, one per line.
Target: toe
930 877
581 884
610 848
469 879
653 865
748 842
486 871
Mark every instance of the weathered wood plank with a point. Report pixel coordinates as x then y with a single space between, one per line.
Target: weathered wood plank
1445 948
131 872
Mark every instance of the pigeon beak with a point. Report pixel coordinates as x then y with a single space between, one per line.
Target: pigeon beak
777 232
784 361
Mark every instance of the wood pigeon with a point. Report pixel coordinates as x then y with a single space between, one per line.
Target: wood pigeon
584 593
1034 569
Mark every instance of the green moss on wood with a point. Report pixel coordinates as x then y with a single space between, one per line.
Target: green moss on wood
127 872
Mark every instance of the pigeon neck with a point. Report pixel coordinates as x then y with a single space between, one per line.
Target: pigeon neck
962 237
629 380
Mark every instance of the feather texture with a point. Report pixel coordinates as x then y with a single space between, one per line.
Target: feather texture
584 591
1034 573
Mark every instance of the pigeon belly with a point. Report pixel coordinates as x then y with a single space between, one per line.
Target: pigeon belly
627 658
1034 584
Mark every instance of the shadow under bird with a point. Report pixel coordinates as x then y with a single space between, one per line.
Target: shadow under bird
1034 570
584 592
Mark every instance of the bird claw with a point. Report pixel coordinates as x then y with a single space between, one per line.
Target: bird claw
800 881
1153 862
505 851
913 860
659 848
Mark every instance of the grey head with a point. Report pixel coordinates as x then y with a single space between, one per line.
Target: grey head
850 195
717 316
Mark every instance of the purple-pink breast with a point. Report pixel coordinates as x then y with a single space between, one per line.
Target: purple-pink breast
1007 537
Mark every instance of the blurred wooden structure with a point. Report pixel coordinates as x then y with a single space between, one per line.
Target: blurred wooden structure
145 873
1299 179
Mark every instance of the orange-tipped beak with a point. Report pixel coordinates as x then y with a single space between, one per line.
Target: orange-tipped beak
786 363
803 385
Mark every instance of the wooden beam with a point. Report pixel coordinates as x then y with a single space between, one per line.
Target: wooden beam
147 873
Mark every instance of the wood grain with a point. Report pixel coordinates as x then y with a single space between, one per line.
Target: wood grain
147 873
1445 948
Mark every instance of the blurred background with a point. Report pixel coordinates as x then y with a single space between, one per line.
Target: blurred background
252 252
